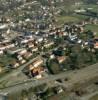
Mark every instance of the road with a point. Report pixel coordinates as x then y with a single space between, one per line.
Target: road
18 70
88 97
78 76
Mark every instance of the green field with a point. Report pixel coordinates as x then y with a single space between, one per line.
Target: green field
62 19
92 27
94 7
75 17
94 97
71 18
6 59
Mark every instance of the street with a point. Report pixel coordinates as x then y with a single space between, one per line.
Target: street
79 76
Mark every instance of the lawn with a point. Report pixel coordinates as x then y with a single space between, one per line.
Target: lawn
63 19
94 97
93 6
6 59
92 27
70 18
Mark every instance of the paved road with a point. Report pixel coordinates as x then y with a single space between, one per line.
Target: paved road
79 76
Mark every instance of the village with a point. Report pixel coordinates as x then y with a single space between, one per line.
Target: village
36 45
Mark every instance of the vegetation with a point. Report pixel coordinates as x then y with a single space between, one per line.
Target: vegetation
6 59
62 19
61 96
94 97
92 27
53 66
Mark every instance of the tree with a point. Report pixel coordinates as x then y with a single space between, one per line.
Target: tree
73 61
53 66
24 94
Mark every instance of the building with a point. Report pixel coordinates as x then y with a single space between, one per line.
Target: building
61 59
22 52
30 45
37 72
34 49
48 44
22 61
27 55
15 64
8 45
1 52
14 50
38 62
96 43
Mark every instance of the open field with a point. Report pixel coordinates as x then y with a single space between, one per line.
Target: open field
93 7
61 96
92 27
70 18
94 97
62 19
6 59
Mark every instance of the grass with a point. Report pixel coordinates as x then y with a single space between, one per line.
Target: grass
6 59
86 6
94 97
93 6
61 96
92 27
70 18
63 19
76 17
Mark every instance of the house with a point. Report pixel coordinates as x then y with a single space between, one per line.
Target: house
1 52
15 64
48 44
37 72
4 46
52 56
30 45
36 69
19 57
38 62
28 35
27 55
34 49
96 43
22 52
3 40
81 29
38 38
24 40
22 61
14 50
61 59
4 26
